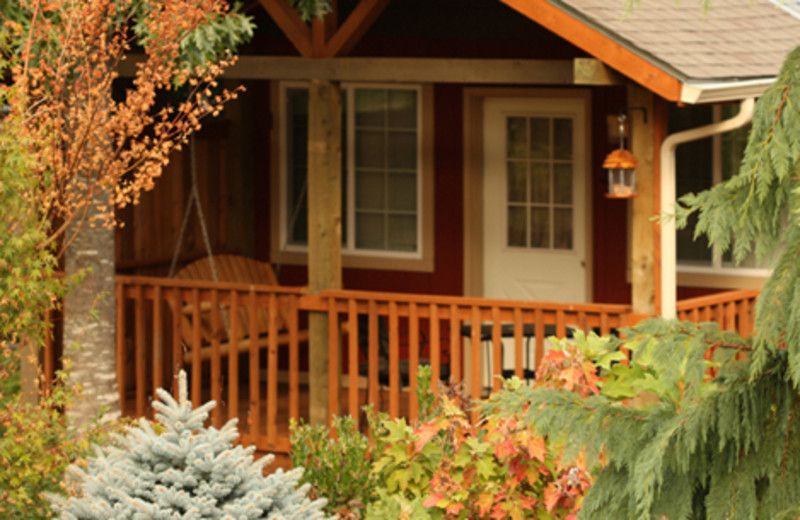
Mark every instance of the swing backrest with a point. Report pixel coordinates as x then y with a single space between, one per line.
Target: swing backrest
236 269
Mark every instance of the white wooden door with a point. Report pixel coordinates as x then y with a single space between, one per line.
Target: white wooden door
535 198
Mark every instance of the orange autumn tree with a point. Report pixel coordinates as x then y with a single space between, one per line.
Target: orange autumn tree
89 149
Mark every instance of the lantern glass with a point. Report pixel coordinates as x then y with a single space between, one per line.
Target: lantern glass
621 183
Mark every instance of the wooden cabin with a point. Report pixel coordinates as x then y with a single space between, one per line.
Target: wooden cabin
465 219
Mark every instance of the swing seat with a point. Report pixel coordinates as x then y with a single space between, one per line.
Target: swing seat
234 269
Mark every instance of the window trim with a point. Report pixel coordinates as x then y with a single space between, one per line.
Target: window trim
717 274
281 252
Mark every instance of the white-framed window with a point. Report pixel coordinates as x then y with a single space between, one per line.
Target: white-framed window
383 199
700 165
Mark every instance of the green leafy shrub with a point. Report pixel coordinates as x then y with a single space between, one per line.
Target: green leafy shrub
445 467
188 472
37 443
337 466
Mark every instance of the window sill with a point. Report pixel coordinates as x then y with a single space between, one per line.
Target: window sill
360 261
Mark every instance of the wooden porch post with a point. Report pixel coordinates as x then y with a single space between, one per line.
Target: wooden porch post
324 229
643 247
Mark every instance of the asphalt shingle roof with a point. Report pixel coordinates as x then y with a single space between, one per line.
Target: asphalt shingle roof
736 39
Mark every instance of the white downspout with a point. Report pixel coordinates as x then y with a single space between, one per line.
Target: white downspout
668 240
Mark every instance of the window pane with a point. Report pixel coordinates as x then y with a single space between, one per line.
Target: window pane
540 227
403 109
370 149
516 226
370 107
402 233
403 150
516 172
516 137
540 182
562 183
562 138
370 231
402 191
562 228
540 138
370 190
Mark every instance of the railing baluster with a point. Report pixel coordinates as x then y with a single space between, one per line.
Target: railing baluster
538 318
272 370
605 329
475 382
497 349
255 386
455 344
216 392
436 346
352 358
394 361
334 358
518 326
373 383
140 360
121 361
196 346
158 341
744 319
233 358
177 339
561 329
294 360
730 316
413 359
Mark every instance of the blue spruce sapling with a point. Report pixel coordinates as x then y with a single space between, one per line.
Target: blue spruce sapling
186 472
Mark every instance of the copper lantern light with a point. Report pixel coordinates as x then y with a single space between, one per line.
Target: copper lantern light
621 167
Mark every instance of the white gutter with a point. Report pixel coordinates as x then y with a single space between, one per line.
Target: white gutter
694 92
668 239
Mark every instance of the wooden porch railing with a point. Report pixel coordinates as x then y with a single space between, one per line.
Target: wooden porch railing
733 310
243 346
377 342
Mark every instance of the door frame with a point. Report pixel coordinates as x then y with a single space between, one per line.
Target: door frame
473 177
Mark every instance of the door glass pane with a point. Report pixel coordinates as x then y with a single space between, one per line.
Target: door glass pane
516 171
370 107
402 232
402 150
402 191
517 137
370 190
540 182
403 109
540 228
516 226
370 230
540 138
370 149
562 183
562 228
562 138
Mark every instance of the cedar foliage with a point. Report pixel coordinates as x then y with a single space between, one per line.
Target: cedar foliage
702 424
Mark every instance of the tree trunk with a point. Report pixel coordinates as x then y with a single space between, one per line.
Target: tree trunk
90 321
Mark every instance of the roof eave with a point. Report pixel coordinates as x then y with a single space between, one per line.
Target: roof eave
694 92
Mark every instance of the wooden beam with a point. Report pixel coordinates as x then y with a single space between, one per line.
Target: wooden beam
323 30
287 19
324 232
420 70
643 245
591 71
354 28
600 46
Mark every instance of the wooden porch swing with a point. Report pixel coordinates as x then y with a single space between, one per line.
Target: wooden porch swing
223 268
